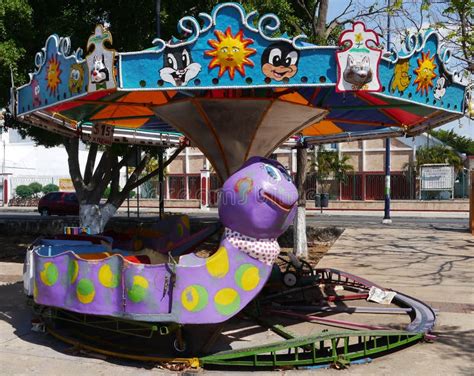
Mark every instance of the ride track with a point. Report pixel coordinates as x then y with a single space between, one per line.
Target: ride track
356 342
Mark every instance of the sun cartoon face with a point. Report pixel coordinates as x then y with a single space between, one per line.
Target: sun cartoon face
425 73
53 74
230 53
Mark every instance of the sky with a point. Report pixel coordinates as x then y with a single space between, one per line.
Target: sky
463 127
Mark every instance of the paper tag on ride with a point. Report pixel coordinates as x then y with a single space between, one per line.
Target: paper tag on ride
102 134
380 296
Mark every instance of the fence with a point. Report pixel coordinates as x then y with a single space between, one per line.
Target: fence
15 181
358 186
371 186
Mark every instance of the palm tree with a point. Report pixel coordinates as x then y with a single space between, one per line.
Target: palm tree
435 154
328 163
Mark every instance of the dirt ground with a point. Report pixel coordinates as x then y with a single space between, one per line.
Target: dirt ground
320 241
14 247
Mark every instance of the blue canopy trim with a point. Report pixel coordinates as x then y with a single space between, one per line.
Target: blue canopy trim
232 49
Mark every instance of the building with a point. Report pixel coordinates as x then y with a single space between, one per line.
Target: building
366 182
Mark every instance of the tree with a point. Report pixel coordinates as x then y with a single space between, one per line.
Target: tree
328 163
461 144
435 154
50 188
23 191
35 188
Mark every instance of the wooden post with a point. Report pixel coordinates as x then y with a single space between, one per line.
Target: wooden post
471 201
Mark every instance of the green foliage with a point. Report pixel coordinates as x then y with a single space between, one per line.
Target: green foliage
50 188
35 187
328 163
132 194
462 144
106 193
435 154
24 191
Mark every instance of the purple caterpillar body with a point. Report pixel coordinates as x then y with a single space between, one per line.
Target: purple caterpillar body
257 204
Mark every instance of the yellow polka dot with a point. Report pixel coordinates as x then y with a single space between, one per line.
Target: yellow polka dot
225 296
218 264
194 298
106 277
227 301
247 277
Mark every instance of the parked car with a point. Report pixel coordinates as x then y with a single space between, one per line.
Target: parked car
60 203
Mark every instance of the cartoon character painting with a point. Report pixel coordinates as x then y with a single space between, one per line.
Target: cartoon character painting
178 66
401 77
358 62
358 73
425 73
76 78
100 73
440 88
100 61
280 61
230 52
53 75
36 92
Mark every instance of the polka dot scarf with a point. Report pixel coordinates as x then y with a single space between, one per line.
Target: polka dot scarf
264 250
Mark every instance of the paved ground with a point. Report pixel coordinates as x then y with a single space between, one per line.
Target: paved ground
435 266
428 259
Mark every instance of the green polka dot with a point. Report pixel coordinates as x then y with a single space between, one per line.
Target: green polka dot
137 293
72 270
85 291
49 275
85 286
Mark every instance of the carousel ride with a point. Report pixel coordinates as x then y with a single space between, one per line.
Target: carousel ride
237 89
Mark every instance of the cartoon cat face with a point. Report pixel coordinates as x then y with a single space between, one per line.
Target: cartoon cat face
259 200
99 73
178 66
358 73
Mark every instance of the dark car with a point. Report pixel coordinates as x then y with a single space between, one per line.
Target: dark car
60 203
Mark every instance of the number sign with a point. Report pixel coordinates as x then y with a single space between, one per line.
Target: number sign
102 134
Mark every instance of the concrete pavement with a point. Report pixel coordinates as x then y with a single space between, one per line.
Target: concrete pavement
435 266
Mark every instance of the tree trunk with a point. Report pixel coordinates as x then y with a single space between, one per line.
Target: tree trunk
96 216
300 244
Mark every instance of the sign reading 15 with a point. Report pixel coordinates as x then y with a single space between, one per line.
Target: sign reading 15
102 134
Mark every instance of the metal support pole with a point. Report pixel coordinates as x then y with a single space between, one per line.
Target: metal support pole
161 181
128 196
386 218
138 158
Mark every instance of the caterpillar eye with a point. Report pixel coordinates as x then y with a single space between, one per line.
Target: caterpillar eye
272 172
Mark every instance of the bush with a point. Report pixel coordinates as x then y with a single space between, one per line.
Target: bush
50 188
132 194
106 193
35 187
24 191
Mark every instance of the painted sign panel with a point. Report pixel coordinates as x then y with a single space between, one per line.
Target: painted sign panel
232 49
65 185
100 61
437 178
358 63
